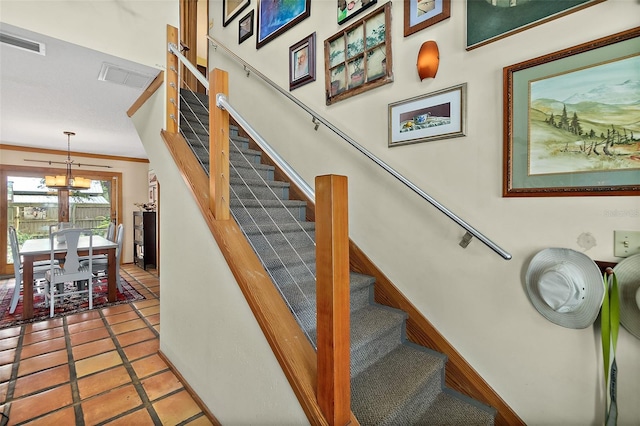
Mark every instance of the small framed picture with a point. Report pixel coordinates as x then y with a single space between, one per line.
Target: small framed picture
245 27
231 9
420 14
347 9
302 62
424 118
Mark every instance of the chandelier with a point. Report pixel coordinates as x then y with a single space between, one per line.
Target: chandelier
67 181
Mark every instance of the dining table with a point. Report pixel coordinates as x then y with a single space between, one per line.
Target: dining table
40 249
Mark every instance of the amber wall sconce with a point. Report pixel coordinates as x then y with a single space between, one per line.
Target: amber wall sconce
428 60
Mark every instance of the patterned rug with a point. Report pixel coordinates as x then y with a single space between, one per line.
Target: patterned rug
64 306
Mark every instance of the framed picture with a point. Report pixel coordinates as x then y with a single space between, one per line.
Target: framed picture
245 27
231 9
358 58
571 121
488 21
424 118
276 17
302 62
347 9
420 14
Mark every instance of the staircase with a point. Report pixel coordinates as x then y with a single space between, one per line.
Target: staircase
393 381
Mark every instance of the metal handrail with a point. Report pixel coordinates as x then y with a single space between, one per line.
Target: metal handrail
173 48
221 102
316 118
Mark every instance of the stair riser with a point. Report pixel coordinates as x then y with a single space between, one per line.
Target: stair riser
255 192
375 349
272 213
299 241
238 142
251 173
244 158
360 298
296 238
199 140
195 115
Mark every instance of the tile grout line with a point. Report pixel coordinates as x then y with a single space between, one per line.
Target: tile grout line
13 380
142 317
135 381
73 376
140 283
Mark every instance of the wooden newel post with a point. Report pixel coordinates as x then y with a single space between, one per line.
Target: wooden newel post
332 287
218 146
172 82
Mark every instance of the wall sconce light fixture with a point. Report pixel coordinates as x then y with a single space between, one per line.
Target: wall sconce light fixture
428 60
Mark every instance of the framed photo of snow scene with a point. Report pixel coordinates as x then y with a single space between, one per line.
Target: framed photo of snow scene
424 118
571 121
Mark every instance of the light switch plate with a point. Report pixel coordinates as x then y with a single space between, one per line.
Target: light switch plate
626 243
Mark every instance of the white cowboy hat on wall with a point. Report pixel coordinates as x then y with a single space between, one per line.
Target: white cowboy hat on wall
565 286
628 275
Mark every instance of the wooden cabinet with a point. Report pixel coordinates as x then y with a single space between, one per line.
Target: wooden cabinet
144 239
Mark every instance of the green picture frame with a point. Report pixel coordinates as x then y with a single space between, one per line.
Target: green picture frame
490 21
570 121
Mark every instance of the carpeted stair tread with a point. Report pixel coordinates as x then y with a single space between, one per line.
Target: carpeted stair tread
452 409
303 258
400 384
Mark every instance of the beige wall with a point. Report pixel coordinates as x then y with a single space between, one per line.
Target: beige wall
208 331
547 373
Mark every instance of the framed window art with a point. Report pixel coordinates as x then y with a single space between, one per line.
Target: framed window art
358 58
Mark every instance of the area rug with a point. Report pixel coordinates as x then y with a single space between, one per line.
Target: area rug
63 306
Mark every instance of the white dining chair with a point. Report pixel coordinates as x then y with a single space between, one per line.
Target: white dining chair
101 264
111 232
72 270
39 270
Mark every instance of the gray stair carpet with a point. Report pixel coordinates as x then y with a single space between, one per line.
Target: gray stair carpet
393 381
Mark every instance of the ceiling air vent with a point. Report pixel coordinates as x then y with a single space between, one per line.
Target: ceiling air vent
123 76
22 43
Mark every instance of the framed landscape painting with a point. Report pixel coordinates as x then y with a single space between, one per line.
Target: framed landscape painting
491 20
571 121
276 17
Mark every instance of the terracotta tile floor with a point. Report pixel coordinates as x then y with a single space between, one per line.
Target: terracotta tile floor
97 367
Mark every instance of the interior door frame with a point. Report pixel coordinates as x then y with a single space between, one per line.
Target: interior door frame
12 170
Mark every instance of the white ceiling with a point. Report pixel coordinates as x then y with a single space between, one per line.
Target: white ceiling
41 96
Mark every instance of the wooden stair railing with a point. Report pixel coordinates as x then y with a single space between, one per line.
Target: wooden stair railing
290 345
332 298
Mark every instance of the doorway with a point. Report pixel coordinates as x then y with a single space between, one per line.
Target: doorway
30 207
